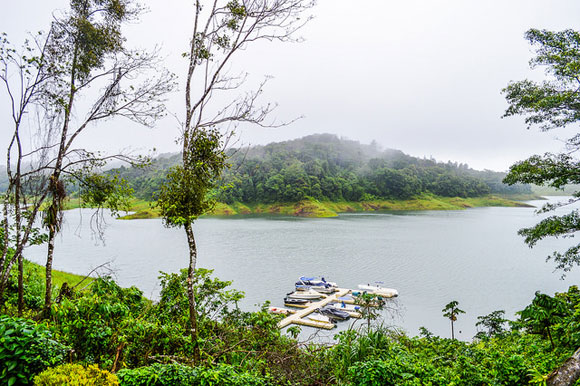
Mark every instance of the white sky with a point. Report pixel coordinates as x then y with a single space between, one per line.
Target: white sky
422 76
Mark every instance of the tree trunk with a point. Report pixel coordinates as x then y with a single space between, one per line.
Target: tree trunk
48 290
191 292
568 373
20 285
452 332
550 336
5 275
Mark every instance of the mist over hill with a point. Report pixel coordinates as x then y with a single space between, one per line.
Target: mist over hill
326 167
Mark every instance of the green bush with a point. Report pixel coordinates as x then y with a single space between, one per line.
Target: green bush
74 374
95 323
176 374
25 350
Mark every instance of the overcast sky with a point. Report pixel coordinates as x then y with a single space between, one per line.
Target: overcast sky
422 76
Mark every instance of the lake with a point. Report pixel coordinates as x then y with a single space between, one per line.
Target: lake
473 256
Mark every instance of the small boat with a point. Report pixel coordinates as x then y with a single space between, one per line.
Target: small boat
344 307
319 318
308 294
348 299
295 302
313 281
322 289
378 290
280 311
334 313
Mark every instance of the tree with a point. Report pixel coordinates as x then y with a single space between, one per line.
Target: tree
20 201
493 323
82 58
451 311
551 104
371 306
544 312
220 30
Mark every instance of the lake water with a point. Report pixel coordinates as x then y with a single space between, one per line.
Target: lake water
473 256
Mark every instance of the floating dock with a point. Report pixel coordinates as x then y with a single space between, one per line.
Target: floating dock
297 317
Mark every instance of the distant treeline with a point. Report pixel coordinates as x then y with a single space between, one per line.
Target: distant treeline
325 167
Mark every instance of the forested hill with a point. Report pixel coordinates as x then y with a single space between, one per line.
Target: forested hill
326 167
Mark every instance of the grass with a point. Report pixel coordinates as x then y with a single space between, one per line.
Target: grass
58 277
61 277
313 208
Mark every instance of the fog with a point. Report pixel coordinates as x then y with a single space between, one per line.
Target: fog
421 76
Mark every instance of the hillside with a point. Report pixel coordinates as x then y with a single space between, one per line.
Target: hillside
327 168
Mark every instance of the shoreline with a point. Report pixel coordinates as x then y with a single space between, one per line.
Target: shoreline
311 208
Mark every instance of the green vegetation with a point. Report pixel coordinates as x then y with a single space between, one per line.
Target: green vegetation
450 312
107 334
26 349
75 374
315 208
551 104
328 169
321 176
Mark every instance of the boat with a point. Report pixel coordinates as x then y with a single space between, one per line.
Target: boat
322 289
319 318
314 281
280 311
378 290
296 302
344 307
334 313
308 294
348 299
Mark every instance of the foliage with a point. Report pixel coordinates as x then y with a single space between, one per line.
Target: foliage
75 374
450 312
25 350
324 167
371 306
212 299
540 316
550 104
381 356
183 196
119 329
105 191
493 323
96 323
175 374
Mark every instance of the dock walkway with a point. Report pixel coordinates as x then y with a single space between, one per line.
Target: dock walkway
297 317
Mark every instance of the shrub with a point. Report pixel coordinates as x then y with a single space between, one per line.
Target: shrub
25 350
95 323
176 374
74 374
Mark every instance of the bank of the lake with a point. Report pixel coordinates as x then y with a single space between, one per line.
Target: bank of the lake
319 209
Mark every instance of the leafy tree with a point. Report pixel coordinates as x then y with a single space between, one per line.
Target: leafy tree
450 312
220 30
494 324
551 104
371 305
540 316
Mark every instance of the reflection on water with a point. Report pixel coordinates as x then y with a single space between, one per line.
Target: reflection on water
432 257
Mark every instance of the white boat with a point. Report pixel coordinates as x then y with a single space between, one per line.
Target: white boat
308 294
319 318
345 307
378 290
317 288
